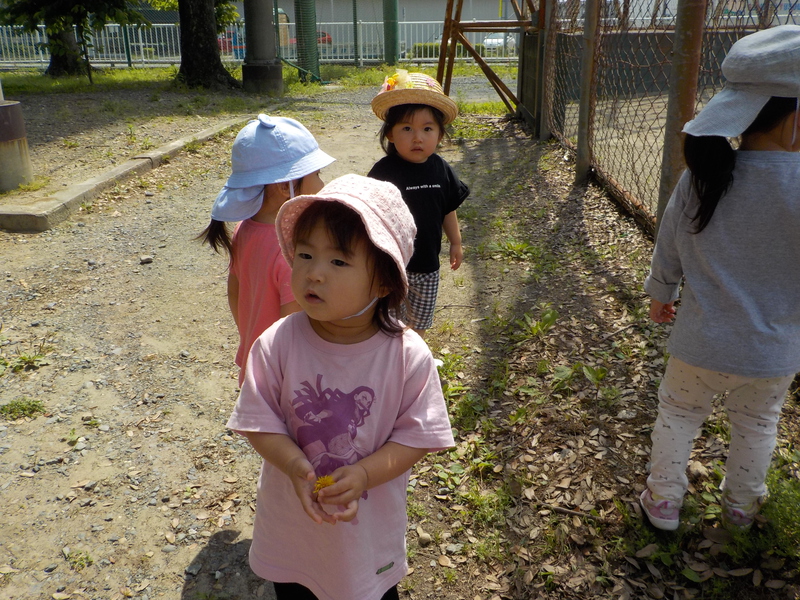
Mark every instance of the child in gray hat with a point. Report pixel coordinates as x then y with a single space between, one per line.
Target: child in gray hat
340 400
729 237
273 159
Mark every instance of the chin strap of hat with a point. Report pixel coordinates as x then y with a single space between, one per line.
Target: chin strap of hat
363 310
796 113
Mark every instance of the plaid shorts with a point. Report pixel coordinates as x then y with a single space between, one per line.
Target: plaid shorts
422 291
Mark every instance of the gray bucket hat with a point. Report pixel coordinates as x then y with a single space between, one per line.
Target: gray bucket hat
266 150
758 66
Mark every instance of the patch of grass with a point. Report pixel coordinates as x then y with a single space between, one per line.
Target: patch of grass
416 510
35 185
25 361
33 81
486 506
446 327
79 560
22 407
469 408
193 146
497 108
489 547
529 328
468 129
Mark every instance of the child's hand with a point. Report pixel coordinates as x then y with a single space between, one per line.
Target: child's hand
302 476
456 256
662 313
351 483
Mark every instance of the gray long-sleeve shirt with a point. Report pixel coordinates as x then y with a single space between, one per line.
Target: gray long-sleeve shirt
740 305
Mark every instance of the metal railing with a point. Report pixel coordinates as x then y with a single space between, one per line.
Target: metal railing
131 45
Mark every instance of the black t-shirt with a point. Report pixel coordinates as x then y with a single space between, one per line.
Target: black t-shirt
430 190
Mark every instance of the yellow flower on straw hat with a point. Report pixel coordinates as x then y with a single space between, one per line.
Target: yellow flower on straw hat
413 88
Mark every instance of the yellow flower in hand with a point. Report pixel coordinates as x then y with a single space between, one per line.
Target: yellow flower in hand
323 482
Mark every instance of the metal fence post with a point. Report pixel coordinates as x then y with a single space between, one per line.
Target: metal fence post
39 43
687 49
583 161
546 51
126 40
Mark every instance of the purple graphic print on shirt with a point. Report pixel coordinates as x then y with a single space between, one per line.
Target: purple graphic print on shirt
331 419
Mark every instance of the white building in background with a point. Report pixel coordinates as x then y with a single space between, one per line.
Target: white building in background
337 11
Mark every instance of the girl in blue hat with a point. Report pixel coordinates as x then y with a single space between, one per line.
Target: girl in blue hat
728 237
273 159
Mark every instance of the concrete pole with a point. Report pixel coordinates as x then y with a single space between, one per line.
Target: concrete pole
686 53
391 32
261 70
15 161
583 160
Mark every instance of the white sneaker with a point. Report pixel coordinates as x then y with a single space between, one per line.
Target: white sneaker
662 513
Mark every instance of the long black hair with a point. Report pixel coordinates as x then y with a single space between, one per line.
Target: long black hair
711 159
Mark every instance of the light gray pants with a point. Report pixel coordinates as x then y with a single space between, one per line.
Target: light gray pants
753 406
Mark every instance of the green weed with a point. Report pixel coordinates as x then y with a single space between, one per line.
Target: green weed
193 146
79 560
529 328
35 185
23 407
468 410
486 506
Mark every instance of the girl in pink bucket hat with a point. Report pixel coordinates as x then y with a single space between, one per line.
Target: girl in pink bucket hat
273 159
340 400
729 239
415 111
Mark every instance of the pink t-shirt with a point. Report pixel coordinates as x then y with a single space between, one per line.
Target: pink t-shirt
339 403
265 282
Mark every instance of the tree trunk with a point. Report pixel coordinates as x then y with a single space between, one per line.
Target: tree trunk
201 65
65 56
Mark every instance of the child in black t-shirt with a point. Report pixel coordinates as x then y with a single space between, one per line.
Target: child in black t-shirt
415 111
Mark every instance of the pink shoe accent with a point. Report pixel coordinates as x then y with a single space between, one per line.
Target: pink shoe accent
662 513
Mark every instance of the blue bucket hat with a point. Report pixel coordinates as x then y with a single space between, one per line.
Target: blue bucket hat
266 150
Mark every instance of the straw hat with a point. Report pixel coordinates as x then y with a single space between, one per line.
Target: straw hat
413 88
758 66
386 217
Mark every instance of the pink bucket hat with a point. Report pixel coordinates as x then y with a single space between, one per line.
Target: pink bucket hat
386 217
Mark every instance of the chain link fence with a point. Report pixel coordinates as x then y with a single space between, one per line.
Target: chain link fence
630 81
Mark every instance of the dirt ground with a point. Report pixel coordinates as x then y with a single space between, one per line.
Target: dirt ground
129 485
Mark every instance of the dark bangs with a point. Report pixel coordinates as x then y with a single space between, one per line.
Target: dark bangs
403 112
347 231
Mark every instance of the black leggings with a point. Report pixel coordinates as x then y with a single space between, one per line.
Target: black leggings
295 591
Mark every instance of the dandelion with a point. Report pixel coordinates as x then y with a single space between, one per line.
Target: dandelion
323 482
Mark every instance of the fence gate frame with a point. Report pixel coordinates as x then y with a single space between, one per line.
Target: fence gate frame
454 34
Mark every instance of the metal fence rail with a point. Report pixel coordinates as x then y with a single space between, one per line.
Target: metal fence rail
131 45
630 82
